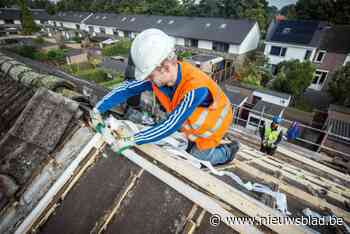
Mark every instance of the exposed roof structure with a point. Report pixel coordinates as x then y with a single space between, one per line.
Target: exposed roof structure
339 120
336 39
298 32
213 29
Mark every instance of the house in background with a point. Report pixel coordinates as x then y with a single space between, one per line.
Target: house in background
70 23
333 52
293 39
114 65
10 19
228 38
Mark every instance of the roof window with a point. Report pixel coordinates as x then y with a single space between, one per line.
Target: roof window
223 26
132 19
171 22
286 30
159 21
207 25
124 18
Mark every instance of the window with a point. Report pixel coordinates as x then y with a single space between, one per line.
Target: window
171 22
115 31
220 46
278 51
207 25
102 30
54 23
191 43
159 21
320 56
132 19
61 24
91 29
77 26
127 34
307 55
7 21
286 30
320 77
223 26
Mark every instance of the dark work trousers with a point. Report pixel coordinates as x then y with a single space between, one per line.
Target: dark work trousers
268 150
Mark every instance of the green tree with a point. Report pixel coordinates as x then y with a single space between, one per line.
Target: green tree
120 48
339 86
27 20
289 11
259 14
334 11
294 77
163 7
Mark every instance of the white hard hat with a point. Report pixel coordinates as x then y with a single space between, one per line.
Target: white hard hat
149 49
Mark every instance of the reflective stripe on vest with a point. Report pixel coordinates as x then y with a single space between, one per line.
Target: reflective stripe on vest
211 131
271 136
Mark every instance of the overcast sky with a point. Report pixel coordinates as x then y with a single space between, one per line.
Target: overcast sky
281 3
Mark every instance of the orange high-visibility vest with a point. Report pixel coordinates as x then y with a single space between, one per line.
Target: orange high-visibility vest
207 125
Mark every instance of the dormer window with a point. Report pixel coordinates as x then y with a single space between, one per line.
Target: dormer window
286 30
223 26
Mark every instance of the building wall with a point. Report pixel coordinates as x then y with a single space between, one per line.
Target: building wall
208 45
272 99
251 41
109 30
293 52
233 49
180 41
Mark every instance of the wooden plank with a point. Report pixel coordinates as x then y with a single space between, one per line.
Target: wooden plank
293 191
203 200
220 189
295 178
331 185
314 164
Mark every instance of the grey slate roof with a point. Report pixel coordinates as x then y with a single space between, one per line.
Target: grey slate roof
337 39
10 13
299 32
15 14
269 108
236 98
70 16
213 29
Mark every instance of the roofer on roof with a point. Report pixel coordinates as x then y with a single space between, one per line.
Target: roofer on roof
194 102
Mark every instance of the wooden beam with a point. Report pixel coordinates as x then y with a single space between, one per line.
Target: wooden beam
206 202
220 189
295 178
293 191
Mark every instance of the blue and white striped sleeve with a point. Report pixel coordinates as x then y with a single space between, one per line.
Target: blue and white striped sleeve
122 93
175 119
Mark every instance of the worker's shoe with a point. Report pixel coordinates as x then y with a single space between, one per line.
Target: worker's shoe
234 146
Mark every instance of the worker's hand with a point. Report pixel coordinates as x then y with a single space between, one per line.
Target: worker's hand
122 144
97 120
